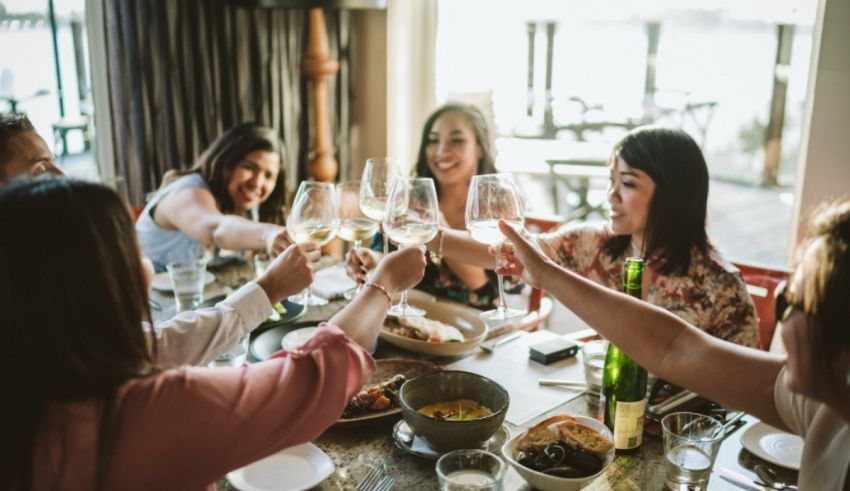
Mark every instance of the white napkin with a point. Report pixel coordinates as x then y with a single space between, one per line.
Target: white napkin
332 282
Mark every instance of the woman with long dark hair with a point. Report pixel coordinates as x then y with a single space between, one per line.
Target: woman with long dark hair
231 198
85 406
455 146
807 392
658 196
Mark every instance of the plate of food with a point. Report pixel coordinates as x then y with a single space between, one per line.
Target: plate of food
562 452
378 399
447 329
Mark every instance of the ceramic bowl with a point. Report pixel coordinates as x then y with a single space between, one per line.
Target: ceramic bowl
446 386
546 482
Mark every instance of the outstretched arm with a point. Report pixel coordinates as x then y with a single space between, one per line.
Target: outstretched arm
194 211
661 342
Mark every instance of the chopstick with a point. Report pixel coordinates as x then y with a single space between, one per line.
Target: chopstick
561 383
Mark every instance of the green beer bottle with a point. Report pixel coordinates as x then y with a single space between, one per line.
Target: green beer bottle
623 400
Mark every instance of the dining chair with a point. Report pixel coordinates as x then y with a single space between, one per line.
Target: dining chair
765 284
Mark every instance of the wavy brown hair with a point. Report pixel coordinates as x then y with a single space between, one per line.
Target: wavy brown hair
72 302
474 117
823 288
217 162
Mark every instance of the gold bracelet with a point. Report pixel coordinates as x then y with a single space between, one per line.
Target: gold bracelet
381 289
437 256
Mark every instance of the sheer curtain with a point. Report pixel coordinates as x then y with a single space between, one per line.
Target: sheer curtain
180 73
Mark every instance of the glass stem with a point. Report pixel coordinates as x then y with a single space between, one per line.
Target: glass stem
359 286
386 242
501 306
403 302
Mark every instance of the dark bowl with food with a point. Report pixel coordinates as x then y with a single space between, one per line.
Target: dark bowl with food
452 409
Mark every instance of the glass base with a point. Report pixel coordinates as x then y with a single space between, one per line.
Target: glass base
306 299
400 310
350 294
497 314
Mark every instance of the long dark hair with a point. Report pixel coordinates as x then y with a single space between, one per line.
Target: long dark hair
216 163
486 164
824 287
676 219
72 302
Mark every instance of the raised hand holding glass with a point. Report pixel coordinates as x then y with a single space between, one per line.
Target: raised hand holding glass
493 197
411 218
314 218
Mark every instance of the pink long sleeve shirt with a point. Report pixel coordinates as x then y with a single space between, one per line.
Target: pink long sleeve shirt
183 428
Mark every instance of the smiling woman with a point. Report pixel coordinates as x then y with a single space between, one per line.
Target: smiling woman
236 181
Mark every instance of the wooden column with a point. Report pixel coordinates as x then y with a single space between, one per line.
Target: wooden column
773 134
319 67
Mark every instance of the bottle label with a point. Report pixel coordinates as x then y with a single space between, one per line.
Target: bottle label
628 424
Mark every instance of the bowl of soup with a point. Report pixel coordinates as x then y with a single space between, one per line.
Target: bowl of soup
453 409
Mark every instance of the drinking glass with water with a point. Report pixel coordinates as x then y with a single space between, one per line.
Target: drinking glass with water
691 442
187 281
470 470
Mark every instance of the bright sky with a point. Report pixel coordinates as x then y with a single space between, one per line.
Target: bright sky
63 7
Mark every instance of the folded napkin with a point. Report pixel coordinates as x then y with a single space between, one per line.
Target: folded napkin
332 282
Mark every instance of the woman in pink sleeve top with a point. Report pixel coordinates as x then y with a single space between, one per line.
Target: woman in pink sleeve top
87 407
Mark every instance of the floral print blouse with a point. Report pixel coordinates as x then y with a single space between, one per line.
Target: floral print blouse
712 296
442 282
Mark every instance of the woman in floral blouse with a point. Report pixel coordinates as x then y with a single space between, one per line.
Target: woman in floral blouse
455 146
658 195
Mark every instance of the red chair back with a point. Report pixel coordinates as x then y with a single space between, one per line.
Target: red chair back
765 284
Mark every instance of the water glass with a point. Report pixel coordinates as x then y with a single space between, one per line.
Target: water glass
691 442
593 360
470 470
187 281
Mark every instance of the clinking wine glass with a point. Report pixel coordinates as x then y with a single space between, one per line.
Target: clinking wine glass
493 197
378 176
354 225
314 219
411 219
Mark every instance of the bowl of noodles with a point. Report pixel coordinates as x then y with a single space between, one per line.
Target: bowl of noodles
453 409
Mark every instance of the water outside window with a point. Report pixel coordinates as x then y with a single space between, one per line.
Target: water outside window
713 74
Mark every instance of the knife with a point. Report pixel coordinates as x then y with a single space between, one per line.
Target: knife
489 346
741 480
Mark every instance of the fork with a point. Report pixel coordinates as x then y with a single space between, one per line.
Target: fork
386 484
372 479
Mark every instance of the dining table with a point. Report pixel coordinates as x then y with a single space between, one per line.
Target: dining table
354 450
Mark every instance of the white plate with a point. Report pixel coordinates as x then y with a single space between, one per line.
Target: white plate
294 469
296 338
773 445
162 282
466 319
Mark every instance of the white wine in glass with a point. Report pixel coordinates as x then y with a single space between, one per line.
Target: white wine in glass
354 225
378 176
493 197
411 218
314 218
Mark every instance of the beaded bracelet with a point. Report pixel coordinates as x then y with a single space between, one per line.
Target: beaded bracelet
381 289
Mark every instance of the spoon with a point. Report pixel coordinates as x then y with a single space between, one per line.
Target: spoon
770 478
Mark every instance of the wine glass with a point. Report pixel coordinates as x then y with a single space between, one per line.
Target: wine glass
375 185
493 197
313 218
411 218
354 225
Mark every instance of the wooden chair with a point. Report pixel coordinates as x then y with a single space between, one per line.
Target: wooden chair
539 223
765 284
